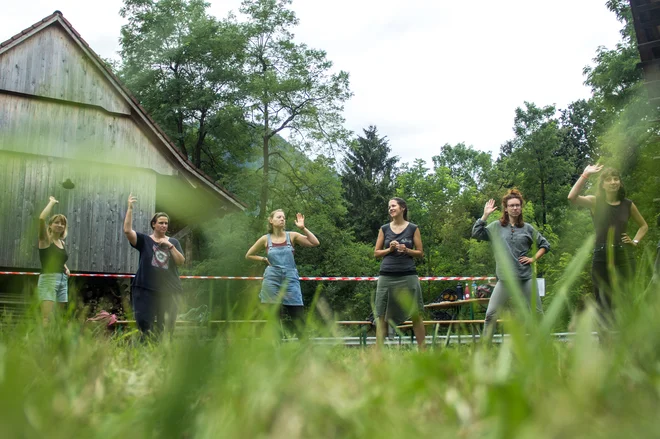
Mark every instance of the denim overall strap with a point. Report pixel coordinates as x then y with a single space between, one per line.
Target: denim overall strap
281 256
281 273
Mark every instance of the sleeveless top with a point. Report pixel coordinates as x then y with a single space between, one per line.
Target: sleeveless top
52 259
607 217
395 263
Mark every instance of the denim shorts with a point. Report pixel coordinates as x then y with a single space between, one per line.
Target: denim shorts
53 287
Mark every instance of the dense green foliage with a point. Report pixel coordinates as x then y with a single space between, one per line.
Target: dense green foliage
230 91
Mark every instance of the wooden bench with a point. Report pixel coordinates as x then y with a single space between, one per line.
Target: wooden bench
191 322
365 325
407 325
219 322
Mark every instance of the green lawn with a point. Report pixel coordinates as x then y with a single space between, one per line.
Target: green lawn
67 382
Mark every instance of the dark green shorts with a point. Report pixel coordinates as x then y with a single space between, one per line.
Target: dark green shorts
398 297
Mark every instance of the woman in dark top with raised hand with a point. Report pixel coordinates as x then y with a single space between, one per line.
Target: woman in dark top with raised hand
518 238
610 210
53 280
157 279
399 293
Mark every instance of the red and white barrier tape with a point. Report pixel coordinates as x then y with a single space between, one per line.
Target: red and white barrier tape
318 278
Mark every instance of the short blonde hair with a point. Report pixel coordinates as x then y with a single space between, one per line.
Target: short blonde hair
54 218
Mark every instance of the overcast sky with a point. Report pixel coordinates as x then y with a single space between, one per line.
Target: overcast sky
425 72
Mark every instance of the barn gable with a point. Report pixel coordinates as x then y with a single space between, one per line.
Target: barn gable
64 116
90 69
50 62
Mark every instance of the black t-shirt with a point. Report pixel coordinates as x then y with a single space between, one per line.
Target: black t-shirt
52 259
395 263
156 268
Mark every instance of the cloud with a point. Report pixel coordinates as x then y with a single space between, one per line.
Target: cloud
424 72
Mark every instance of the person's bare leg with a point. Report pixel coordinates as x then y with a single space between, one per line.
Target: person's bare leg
420 332
46 310
381 331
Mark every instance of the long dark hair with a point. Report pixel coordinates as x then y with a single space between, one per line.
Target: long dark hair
402 204
511 195
604 175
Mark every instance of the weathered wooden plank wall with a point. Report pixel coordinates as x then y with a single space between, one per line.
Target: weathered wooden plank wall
61 117
51 64
29 125
95 210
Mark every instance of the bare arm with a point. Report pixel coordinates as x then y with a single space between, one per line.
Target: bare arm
378 251
574 195
418 251
128 221
306 240
257 246
643 227
178 257
44 240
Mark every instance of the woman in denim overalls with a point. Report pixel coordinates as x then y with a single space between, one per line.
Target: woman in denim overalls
281 284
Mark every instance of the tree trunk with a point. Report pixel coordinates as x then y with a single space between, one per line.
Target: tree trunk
263 204
188 250
201 135
543 202
180 129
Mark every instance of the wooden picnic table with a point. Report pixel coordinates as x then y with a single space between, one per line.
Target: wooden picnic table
457 304
449 304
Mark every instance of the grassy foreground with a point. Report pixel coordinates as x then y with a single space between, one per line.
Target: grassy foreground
68 382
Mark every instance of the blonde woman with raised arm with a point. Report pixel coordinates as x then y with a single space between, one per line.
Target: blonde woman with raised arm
54 277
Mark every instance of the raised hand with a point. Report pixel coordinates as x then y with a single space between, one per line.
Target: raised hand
52 200
300 220
489 208
592 169
131 201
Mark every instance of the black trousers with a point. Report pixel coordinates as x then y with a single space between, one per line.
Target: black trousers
292 318
623 262
150 309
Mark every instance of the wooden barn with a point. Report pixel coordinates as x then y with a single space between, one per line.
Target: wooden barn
64 116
